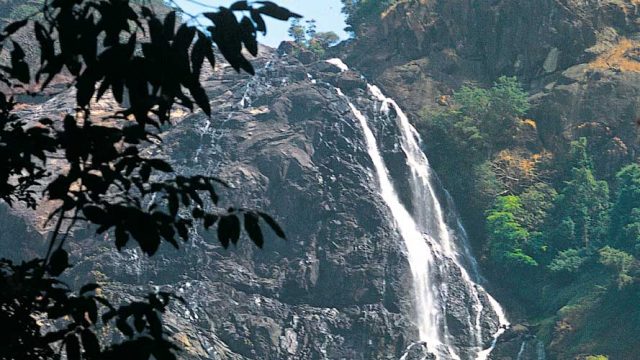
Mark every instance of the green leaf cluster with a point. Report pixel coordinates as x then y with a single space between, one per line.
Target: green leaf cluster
307 37
507 237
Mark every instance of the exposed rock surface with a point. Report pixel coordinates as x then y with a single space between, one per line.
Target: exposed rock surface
577 58
339 287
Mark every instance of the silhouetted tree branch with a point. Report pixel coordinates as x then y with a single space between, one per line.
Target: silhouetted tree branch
150 64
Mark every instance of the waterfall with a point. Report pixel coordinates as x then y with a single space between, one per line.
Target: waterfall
540 351
431 247
521 351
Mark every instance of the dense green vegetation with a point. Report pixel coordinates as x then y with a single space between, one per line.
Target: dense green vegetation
307 37
568 240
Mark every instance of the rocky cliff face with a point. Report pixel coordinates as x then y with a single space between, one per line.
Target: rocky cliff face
335 289
577 58
340 287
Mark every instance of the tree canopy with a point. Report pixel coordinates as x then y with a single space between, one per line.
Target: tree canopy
306 36
151 63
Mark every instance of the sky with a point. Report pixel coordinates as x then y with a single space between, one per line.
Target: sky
327 14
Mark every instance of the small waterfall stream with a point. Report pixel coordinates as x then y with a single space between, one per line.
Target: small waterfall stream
522 349
431 248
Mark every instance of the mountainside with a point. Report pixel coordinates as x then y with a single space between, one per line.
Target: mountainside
343 285
577 59
578 62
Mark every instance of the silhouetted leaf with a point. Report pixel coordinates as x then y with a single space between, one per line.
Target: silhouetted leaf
19 67
201 98
252 228
86 86
209 220
173 203
277 12
170 24
90 344
124 327
91 310
54 336
139 323
122 237
228 230
106 317
197 213
184 37
183 230
229 40
72 346
160 165
249 36
245 65
145 172
95 214
146 12
239 6
257 18
273 225
155 325
14 26
57 189
58 262
88 288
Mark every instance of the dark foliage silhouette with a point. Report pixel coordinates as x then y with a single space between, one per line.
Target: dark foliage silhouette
151 64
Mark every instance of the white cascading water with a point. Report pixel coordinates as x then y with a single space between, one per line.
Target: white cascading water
540 351
430 245
521 351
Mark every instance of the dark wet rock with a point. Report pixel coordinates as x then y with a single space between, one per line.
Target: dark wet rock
340 286
579 60
418 351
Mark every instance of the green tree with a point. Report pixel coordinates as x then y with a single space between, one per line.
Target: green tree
297 32
480 121
625 213
326 39
537 200
568 261
462 129
620 262
582 206
311 29
507 238
307 37
501 119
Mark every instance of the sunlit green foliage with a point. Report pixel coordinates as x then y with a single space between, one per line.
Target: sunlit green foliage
480 120
476 126
570 261
566 240
620 262
582 206
506 236
625 213
307 37
537 199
